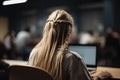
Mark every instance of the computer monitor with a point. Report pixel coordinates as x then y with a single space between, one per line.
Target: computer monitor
87 52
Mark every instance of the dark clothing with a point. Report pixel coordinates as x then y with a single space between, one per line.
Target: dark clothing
74 68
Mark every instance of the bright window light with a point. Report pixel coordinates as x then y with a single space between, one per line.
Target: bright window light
10 2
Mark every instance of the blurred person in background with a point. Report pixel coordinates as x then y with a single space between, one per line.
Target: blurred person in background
9 43
23 40
3 66
86 37
111 51
51 53
2 50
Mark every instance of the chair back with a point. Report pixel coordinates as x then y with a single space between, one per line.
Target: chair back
18 72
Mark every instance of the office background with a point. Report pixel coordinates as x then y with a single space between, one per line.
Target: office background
96 16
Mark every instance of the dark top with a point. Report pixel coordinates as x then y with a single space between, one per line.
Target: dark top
74 67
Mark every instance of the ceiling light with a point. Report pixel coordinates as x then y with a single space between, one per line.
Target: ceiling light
10 2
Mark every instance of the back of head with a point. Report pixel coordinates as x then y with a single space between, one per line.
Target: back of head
60 15
58 27
56 35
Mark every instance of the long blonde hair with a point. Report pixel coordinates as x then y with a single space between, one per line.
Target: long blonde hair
56 36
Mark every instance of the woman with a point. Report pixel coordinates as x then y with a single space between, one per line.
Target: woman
51 53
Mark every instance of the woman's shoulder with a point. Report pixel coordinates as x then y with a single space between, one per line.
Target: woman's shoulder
70 54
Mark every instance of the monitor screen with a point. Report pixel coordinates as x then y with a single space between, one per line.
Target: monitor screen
87 52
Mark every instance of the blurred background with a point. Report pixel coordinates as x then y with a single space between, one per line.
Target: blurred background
96 22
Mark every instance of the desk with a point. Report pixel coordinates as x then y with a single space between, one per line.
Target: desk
114 71
15 62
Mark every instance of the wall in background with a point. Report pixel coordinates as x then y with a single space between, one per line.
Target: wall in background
3 27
